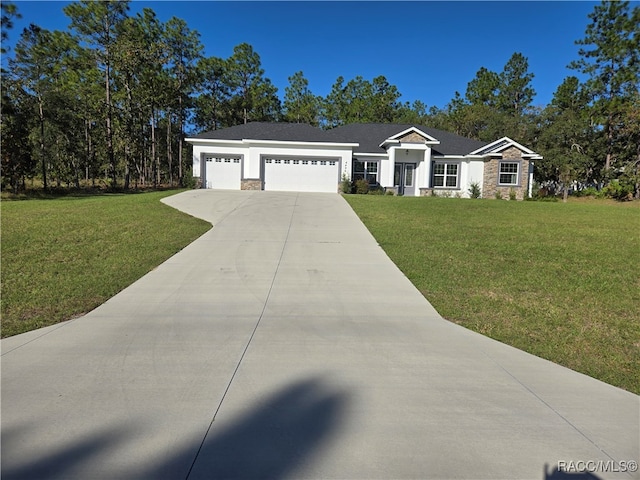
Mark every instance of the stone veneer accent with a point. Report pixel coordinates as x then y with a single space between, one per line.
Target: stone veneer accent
412 137
490 185
251 184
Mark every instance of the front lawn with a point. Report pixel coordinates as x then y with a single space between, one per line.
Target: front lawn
65 256
558 280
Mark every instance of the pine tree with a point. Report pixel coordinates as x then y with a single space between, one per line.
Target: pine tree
610 57
96 23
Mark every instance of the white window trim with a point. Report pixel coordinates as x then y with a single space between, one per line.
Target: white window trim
366 168
446 163
518 174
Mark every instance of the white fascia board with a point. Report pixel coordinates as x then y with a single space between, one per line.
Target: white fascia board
212 141
489 146
453 157
388 142
393 142
365 154
286 143
509 143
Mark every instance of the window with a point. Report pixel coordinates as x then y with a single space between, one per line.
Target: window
368 170
445 175
223 159
508 173
408 175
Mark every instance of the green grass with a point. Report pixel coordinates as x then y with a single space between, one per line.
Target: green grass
62 257
558 280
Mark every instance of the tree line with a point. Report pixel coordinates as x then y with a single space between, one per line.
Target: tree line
110 101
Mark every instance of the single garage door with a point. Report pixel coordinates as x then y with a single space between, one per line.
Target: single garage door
301 175
223 172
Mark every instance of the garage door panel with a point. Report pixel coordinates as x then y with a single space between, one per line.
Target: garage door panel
224 172
301 175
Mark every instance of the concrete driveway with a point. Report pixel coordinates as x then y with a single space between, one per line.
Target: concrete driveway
284 343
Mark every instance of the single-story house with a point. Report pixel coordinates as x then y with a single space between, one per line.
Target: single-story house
406 159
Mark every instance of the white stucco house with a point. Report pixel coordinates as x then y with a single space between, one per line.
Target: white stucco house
410 160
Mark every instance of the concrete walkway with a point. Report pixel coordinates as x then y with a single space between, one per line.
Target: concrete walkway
285 344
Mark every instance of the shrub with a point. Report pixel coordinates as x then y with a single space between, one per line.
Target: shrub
618 191
474 190
345 184
362 186
512 194
587 192
498 195
189 181
390 193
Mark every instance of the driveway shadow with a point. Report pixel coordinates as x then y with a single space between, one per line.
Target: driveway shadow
271 440
61 462
557 474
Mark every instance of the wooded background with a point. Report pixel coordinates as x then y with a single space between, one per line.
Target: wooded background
109 102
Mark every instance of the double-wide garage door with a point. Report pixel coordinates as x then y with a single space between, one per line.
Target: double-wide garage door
301 174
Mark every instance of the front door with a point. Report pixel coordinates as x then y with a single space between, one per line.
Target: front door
404 178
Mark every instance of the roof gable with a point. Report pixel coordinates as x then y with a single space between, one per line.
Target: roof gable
500 145
413 135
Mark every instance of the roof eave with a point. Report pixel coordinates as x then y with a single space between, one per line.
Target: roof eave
211 140
391 142
252 141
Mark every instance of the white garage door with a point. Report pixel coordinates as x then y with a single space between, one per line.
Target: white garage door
223 172
301 175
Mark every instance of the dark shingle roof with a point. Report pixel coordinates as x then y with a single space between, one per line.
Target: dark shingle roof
368 135
293 132
371 135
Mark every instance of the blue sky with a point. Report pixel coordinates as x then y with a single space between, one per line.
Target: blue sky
427 49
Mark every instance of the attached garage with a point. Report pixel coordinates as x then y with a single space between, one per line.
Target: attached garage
291 157
223 172
306 174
